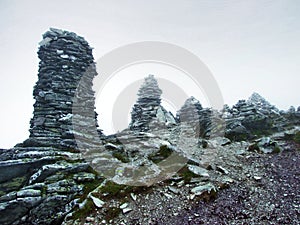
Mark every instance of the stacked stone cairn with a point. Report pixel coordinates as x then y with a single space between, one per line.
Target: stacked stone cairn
44 178
147 111
41 178
193 115
252 117
66 72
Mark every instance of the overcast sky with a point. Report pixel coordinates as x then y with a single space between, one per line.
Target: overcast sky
248 45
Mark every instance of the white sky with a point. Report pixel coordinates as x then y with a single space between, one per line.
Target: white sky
248 45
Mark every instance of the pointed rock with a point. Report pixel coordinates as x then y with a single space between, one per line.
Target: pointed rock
147 113
194 116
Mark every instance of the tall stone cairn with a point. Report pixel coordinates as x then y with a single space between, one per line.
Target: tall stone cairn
41 178
145 109
66 69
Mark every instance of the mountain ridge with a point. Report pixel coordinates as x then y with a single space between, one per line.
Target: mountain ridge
68 169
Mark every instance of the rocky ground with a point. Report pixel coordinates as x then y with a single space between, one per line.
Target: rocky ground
272 200
241 187
238 165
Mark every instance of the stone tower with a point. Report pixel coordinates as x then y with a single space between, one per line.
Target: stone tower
195 116
147 112
66 71
48 170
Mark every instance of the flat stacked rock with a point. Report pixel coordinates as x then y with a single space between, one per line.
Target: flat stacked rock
274 121
254 117
45 178
246 118
292 116
262 105
41 177
147 112
66 68
194 116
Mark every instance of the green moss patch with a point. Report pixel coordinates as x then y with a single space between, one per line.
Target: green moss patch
297 137
12 185
121 156
163 153
84 211
186 174
119 191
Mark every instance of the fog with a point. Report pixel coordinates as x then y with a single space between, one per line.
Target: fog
247 45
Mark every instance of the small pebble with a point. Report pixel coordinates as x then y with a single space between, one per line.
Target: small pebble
257 178
90 219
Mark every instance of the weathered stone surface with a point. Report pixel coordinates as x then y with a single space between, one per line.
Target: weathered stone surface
98 202
40 176
147 113
10 169
265 145
235 130
198 170
207 188
252 118
66 68
192 114
203 122
13 210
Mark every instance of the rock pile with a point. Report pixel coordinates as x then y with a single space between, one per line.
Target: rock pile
292 116
147 111
41 177
44 178
205 122
253 117
66 69
190 111
197 118
248 119
245 120
243 117
261 104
